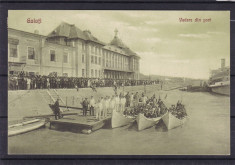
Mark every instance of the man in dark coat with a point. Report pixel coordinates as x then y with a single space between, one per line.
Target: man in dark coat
128 99
85 104
57 109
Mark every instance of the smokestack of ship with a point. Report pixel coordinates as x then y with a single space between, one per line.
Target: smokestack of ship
222 63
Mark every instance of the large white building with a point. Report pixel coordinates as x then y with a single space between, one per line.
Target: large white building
69 51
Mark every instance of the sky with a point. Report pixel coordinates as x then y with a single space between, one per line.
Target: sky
166 45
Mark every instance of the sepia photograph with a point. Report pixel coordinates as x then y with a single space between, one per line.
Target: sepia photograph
118 82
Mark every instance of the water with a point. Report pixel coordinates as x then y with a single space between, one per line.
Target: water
207 132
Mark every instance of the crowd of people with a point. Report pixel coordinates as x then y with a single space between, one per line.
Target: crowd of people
130 104
150 107
178 111
106 105
26 82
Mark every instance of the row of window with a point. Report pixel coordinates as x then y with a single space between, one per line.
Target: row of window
13 52
94 73
96 60
95 49
53 56
112 60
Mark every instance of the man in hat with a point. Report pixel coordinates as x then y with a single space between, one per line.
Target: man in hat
92 106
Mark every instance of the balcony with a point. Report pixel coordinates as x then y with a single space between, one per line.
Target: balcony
118 69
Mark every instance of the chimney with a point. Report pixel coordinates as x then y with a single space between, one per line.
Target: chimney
222 63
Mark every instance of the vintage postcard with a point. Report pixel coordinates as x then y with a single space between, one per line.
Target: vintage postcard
83 82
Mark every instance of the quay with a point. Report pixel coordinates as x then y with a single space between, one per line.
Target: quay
79 124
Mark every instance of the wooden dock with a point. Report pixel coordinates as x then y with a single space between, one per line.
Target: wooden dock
79 124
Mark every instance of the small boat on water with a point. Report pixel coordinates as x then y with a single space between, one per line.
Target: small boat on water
25 126
119 120
144 122
172 122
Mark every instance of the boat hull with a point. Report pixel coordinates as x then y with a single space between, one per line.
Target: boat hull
119 120
223 90
25 127
144 122
172 122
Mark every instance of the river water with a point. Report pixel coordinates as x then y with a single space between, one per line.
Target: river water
207 132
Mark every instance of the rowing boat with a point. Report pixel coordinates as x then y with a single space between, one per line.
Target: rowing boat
25 126
172 122
144 122
119 120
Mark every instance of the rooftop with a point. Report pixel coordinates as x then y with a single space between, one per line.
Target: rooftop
70 31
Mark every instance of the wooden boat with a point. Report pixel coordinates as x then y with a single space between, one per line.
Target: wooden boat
25 126
172 122
119 120
144 122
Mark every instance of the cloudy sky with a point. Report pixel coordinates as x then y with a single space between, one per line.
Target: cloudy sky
166 45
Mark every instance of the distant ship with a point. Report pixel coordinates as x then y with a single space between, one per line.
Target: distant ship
219 81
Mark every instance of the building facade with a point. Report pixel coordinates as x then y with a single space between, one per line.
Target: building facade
69 51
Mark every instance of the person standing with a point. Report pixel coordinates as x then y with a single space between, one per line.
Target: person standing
92 106
116 103
28 83
144 99
102 101
128 100
99 109
107 105
112 104
123 103
85 104
48 83
104 107
131 100
136 99
57 109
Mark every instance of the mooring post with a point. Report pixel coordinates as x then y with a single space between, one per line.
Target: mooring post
66 101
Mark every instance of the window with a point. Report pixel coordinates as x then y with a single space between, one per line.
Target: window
65 57
52 53
95 50
83 72
95 73
83 46
13 50
92 59
95 59
31 53
83 58
99 60
107 63
103 62
99 73
92 73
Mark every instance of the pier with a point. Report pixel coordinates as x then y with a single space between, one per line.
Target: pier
79 124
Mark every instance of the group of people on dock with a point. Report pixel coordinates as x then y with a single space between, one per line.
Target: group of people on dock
129 104
105 105
126 103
